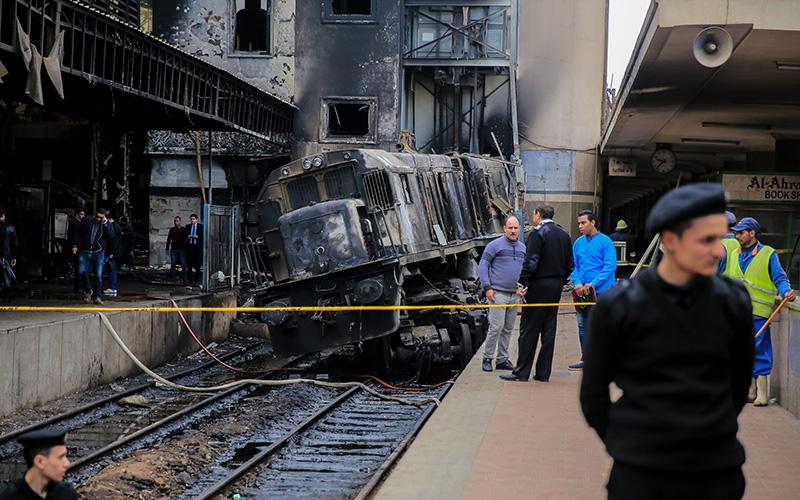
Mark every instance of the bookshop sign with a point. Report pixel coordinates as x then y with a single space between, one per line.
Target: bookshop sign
761 187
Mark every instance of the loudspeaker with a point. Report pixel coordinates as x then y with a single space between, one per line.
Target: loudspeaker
712 47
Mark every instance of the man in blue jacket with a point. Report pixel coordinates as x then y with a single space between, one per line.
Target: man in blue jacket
500 266
595 265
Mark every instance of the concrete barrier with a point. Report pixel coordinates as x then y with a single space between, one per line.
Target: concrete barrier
785 377
49 358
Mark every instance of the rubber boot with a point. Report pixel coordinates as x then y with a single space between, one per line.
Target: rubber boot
762 398
751 395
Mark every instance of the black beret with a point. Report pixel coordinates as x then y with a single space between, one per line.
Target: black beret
46 438
684 203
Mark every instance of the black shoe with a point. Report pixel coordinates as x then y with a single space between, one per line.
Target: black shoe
576 367
487 364
505 365
512 377
540 379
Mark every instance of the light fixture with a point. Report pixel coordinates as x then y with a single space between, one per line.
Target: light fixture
317 162
285 172
306 163
650 90
787 66
719 142
756 126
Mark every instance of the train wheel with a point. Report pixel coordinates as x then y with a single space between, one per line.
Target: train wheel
466 345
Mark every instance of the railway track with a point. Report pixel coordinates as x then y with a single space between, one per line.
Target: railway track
341 450
104 425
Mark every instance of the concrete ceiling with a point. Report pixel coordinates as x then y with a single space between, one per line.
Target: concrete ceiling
668 97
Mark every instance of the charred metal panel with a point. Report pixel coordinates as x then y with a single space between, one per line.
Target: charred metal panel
207 29
167 142
357 57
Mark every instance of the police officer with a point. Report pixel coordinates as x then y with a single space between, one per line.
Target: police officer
757 266
46 457
678 341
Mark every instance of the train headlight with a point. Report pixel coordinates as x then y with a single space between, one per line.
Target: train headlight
306 163
368 291
275 318
317 162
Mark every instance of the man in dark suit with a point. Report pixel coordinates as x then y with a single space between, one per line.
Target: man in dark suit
548 263
194 248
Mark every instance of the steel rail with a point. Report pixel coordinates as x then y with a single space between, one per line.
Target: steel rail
368 488
82 461
276 446
117 396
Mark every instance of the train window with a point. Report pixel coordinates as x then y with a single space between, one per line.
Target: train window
348 119
270 213
379 190
341 183
302 191
406 188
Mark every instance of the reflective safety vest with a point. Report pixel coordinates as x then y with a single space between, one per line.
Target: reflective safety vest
731 247
757 280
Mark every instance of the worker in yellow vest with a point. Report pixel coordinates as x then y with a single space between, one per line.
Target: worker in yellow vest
757 266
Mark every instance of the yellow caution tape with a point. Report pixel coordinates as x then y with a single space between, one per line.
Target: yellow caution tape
284 309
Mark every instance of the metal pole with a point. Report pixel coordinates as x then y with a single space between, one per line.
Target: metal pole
210 161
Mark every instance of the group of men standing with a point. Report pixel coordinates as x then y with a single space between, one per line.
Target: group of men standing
536 273
96 241
185 248
683 340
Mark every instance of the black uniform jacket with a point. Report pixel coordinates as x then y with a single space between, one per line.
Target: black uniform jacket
548 254
19 490
683 357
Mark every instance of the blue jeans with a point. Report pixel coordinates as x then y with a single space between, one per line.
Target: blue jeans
177 256
84 261
582 315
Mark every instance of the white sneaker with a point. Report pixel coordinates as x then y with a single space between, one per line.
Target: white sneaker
110 292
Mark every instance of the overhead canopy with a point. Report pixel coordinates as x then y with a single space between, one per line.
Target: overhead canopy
111 69
711 117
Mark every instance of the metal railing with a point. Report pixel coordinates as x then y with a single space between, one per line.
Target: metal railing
102 50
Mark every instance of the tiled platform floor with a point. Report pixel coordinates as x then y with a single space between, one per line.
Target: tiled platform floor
506 440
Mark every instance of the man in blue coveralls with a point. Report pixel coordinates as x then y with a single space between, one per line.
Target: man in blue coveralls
595 265
757 266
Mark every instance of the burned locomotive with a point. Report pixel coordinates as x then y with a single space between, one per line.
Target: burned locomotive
369 227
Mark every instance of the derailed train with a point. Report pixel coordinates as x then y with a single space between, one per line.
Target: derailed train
369 227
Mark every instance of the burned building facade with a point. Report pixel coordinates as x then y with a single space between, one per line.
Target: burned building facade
80 88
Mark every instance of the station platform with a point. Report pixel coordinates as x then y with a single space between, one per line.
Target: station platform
493 439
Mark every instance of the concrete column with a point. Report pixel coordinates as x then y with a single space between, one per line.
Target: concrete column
561 86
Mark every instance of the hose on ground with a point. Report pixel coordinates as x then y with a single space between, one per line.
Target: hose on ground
274 383
261 372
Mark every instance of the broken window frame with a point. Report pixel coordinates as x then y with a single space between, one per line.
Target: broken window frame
329 17
233 52
369 138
